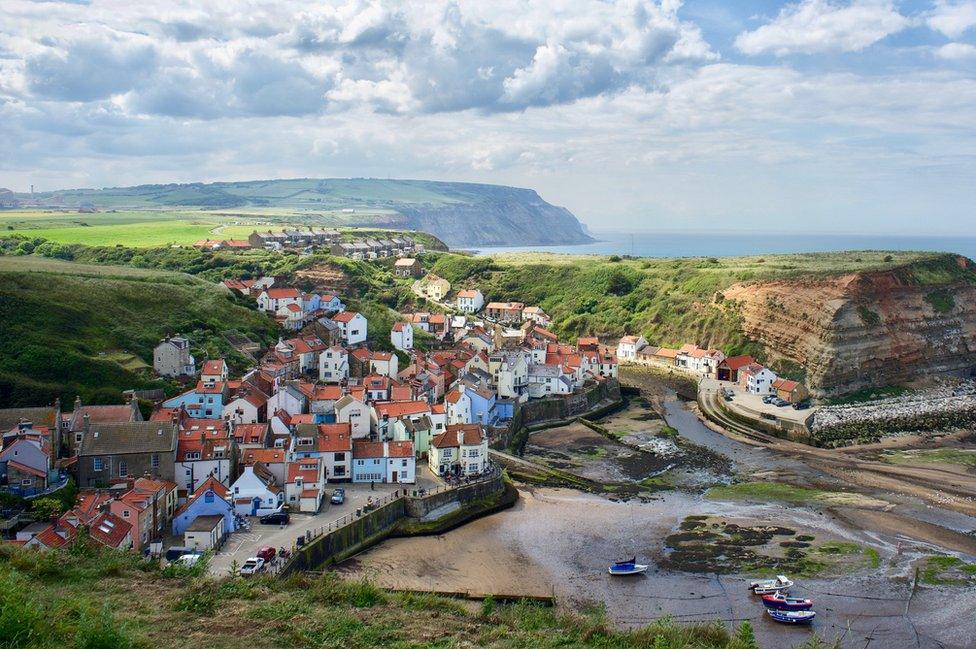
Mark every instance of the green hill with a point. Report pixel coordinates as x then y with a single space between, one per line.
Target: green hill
461 214
69 328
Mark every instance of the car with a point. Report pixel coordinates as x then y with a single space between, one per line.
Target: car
267 553
338 497
801 405
177 551
779 403
252 566
277 518
188 560
769 398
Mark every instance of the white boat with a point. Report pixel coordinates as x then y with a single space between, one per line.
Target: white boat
629 567
768 586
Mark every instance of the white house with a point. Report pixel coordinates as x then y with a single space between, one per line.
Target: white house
470 300
548 379
510 373
401 464
460 450
537 315
288 398
401 335
256 492
628 347
305 485
334 365
457 404
757 379
384 363
354 412
352 325
248 406
272 300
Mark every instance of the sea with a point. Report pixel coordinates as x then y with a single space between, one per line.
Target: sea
733 244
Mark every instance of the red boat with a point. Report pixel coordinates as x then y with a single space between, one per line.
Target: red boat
780 602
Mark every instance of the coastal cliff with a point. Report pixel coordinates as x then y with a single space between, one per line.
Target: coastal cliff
865 329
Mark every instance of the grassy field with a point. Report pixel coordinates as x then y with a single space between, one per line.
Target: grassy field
958 456
766 491
146 234
89 598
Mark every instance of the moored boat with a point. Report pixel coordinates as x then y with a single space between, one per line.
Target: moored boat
629 567
791 617
781 602
770 586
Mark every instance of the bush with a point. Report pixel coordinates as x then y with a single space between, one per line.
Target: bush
101 631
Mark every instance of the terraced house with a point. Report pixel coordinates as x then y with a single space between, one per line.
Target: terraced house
112 451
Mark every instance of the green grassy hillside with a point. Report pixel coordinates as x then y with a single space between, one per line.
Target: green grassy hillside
670 301
69 328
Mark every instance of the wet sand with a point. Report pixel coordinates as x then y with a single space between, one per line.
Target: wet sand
556 541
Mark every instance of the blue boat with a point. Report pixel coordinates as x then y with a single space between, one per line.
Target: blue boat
791 617
781 602
628 567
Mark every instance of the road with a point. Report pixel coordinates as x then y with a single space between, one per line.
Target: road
243 544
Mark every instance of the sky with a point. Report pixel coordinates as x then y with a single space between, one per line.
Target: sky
810 116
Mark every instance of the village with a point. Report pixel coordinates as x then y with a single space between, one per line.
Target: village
320 427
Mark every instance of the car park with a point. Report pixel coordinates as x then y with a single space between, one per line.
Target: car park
779 403
252 566
276 518
338 497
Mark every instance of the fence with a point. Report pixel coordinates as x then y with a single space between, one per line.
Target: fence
355 531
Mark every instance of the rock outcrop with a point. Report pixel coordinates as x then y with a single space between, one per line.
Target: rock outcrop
866 329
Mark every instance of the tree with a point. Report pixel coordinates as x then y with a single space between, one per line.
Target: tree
47 508
744 638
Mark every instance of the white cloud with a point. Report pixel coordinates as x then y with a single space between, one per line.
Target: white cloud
952 18
814 26
956 51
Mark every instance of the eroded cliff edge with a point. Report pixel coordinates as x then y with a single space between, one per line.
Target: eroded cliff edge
866 329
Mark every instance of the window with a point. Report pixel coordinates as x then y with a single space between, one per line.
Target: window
154 461
208 497
97 464
123 469
125 513
25 482
78 437
359 463
404 463
340 457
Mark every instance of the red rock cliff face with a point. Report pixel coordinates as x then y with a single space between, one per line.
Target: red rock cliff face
862 330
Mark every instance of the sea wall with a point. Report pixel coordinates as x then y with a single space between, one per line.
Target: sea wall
399 514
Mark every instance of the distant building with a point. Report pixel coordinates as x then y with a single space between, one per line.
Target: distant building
470 300
172 358
407 267
401 335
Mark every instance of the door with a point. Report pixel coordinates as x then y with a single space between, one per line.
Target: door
394 476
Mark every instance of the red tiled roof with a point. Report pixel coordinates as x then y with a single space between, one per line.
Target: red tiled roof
109 530
395 409
363 449
785 385
736 362
263 455
345 316
401 449
334 438
281 293
471 436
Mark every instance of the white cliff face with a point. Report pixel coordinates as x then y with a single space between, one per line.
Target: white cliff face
864 330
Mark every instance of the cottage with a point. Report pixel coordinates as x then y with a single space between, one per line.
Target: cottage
114 450
407 267
470 300
401 335
356 413
728 369
504 311
792 391
334 365
460 450
537 315
390 462
330 442
171 357
205 450
757 379
628 347
210 499
353 327
272 300
256 492
432 287
305 485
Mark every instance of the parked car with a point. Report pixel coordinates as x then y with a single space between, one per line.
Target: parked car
801 405
769 398
277 518
252 566
338 497
267 553
779 403
177 551
188 560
